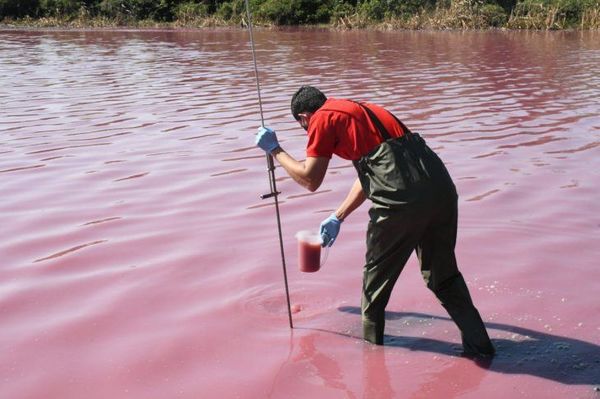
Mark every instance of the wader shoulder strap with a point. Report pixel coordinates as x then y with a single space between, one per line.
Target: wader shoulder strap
382 130
402 125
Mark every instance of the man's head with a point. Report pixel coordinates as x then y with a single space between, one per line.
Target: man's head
307 100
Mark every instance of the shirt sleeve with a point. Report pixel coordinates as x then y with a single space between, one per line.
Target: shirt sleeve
321 137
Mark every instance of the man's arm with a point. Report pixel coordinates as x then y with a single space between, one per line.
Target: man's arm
330 227
353 200
308 174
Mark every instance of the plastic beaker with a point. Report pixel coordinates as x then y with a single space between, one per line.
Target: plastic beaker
309 251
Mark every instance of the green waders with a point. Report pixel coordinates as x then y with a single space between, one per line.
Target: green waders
414 207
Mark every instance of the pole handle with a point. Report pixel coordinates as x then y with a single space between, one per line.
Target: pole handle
269 195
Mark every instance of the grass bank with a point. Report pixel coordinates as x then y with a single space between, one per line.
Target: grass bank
339 14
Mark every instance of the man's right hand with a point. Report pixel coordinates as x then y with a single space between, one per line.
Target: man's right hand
266 139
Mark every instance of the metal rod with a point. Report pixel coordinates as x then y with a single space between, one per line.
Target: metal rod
262 119
271 169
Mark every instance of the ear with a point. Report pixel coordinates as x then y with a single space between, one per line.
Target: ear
308 115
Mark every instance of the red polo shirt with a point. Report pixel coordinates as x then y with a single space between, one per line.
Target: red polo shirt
343 128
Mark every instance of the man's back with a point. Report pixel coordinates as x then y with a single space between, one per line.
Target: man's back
343 127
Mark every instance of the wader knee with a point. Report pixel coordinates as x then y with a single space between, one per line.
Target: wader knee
426 274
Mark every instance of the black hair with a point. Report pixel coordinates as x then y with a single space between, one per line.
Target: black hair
307 99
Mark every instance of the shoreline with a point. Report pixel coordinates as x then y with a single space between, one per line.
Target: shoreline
175 26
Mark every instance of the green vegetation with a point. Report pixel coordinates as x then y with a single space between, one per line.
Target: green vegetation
344 14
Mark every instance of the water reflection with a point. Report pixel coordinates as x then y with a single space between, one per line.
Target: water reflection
456 376
322 365
377 382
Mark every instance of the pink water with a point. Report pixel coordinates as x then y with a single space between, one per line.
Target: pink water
137 260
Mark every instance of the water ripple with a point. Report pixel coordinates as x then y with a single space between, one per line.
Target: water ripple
70 250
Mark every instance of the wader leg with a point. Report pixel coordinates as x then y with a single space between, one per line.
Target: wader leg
439 269
391 238
455 298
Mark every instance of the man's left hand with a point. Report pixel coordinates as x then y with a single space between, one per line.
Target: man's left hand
329 230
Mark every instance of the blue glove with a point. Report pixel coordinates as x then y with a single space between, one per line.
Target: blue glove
329 230
266 139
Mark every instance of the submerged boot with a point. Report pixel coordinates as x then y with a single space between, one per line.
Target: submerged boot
373 329
455 298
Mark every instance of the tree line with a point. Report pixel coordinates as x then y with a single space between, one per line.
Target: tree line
348 14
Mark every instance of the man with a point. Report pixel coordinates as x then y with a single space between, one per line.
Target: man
414 204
